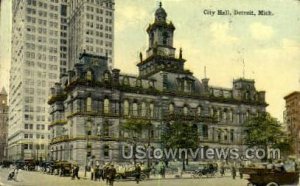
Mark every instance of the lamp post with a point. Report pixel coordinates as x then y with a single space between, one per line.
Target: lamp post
51 151
87 133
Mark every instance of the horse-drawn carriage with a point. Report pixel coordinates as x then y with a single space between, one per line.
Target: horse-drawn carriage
205 169
62 168
270 177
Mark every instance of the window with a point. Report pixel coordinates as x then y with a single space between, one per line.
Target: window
105 128
171 108
143 109
126 108
89 104
89 76
165 38
185 110
205 131
199 111
231 135
151 110
106 106
106 151
135 109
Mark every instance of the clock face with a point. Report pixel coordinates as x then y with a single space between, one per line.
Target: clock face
163 51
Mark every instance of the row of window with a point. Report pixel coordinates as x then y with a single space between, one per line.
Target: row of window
30 146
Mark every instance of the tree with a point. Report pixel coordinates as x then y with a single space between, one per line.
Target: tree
180 135
264 131
135 127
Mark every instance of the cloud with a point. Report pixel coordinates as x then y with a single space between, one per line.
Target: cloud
259 31
221 34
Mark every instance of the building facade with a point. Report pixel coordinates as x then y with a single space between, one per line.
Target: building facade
39 40
292 119
91 29
92 104
45 32
3 124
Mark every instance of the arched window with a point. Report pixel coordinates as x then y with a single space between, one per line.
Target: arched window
126 80
224 117
185 110
199 110
165 38
143 109
231 135
106 151
219 135
135 109
212 112
88 128
171 108
89 104
89 75
205 131
126 108
106 76
106 106
229 115
151 110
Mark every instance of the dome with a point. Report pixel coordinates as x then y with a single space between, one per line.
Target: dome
160 13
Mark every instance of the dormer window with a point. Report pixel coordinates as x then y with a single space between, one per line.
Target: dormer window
89 76
171 108
106 76
185 110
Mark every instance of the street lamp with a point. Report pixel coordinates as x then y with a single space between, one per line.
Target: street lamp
87 133
51 151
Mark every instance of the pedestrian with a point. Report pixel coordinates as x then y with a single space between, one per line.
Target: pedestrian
241 170
92 173
96 170
222 170
111 175
233 172
138 171
75 172
105 173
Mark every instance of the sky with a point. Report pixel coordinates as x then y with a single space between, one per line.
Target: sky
268 45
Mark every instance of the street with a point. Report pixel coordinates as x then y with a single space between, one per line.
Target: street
26 178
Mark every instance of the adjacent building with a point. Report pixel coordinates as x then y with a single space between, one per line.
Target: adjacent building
91 29
92 103
45 33
292 119
3 124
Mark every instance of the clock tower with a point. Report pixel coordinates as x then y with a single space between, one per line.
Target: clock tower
161 34
160 55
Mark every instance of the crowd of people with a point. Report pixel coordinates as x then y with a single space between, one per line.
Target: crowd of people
109 172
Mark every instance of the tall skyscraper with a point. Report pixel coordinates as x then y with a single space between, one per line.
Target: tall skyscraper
3 124
47 38
91 29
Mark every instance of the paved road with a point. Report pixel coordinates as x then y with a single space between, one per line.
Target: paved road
39 179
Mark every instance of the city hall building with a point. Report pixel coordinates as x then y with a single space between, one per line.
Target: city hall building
92 104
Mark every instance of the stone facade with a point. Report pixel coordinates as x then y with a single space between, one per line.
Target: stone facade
292 119
92 103
3 124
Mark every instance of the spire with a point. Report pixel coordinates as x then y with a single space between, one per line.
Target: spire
160 13
3 91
